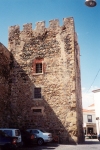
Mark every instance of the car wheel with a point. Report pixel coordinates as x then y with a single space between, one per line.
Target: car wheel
40 141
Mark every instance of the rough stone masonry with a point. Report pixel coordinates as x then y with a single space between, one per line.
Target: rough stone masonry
45 82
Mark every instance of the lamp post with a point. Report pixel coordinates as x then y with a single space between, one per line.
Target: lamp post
97 118
90 3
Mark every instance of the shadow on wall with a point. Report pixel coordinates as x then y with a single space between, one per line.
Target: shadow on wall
30 113
22 110
19 109
4 84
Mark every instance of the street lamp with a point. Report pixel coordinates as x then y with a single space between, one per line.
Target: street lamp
90 3
97 118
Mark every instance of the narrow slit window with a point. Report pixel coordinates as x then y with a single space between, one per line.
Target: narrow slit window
38 67
37 110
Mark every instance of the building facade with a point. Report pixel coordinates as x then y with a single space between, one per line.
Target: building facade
45 82
89 120
96 94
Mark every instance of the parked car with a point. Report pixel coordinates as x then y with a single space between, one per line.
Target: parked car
42 136
13 133
98 137
28 139
7 142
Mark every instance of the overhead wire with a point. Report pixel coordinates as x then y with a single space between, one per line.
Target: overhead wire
94 80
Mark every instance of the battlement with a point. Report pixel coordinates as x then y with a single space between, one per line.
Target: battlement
40 26
14 29
27 27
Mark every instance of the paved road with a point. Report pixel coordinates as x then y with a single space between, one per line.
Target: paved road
90 144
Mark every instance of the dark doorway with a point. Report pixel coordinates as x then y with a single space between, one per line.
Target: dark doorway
90 130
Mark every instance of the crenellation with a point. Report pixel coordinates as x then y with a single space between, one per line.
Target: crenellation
54 24
40 26
13 30
68 21
27 27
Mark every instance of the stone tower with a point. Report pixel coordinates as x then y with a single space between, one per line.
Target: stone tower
45 79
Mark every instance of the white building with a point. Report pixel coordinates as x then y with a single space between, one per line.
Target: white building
97 108
89 120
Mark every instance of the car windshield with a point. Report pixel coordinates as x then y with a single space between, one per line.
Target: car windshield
42 130
8 132
3 133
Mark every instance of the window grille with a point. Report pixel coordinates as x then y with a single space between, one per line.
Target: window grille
38 67
89 117
37 92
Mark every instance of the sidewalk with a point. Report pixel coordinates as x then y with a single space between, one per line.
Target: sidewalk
92 141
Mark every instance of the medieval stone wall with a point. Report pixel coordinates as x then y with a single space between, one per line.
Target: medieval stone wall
4 85
59 110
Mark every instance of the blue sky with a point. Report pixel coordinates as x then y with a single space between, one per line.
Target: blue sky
87 26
